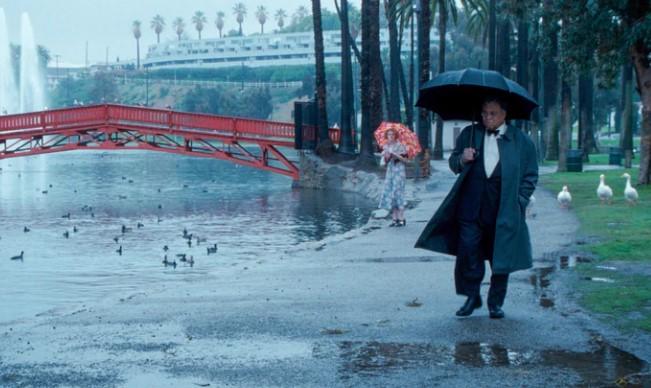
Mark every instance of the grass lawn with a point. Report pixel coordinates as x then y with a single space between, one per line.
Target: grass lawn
623 235
594 159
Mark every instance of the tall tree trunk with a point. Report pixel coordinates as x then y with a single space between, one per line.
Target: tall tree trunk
626 134
443 24
347 111
412 70
553 129
537 134
394 61
522 71
523 53
409 111
550 83
324 146
424 124
640 53
492 35
385 91
138 54
620 104
586 114
565 141
371 79
504 48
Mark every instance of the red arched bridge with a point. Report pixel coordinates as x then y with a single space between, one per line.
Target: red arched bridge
253 143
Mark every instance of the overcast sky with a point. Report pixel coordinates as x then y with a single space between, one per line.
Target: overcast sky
64 26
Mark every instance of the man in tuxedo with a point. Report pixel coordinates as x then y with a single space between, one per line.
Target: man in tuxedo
483 216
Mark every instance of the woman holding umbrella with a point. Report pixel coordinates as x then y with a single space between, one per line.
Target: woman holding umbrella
397 143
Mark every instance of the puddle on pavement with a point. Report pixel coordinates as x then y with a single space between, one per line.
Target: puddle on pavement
605 364
540 281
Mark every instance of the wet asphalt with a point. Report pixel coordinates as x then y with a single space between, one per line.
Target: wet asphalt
359 309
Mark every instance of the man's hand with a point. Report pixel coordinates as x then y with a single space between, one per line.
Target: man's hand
468 155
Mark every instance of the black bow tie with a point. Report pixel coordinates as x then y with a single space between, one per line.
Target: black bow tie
493 132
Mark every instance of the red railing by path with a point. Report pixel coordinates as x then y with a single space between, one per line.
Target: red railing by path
120 127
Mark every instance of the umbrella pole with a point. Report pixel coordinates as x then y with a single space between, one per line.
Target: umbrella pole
472 135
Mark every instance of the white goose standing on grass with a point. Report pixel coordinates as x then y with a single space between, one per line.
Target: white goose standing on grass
604 191
629 192
564 198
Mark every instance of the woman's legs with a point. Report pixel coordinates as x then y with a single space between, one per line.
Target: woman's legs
394 217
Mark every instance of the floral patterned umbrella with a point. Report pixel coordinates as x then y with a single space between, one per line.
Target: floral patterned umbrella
403 134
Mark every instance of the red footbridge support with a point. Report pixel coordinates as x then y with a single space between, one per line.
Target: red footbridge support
249 142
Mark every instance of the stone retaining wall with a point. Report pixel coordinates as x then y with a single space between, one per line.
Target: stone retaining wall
317 174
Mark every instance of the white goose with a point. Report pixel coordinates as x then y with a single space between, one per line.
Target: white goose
604 191
629 192
564 198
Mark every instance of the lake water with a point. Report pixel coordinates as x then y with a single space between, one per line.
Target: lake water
250 214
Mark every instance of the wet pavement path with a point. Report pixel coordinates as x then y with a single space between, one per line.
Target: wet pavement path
360 309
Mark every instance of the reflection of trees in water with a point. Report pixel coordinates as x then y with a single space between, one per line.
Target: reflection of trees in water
247 200
320 213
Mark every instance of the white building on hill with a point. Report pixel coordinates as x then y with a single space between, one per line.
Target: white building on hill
257 50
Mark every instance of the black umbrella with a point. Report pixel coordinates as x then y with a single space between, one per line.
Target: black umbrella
458 94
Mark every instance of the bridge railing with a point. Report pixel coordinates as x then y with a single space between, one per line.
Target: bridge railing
114 114
197 121
52 119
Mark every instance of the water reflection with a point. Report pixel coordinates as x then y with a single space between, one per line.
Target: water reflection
603 364
249 213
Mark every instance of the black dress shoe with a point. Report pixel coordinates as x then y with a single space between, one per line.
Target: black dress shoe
495 312
472 303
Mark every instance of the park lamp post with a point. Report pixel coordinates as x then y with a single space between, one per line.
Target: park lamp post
146 86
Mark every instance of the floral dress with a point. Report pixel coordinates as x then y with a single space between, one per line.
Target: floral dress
393 195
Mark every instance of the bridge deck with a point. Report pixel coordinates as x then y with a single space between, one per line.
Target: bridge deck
111 126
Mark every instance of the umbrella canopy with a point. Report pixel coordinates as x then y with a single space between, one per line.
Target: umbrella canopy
458 94
403 134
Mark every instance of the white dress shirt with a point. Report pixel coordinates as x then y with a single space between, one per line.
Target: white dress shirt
491 150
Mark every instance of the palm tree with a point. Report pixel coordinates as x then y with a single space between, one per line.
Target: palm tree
346 144
565 131
391 12
549 29
158 25
444 9
324 146
300 14
199 19
219 22
179 26
239 10
371 74
492 35
137 34
586 108
261 13
280 18
626 134
424 20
